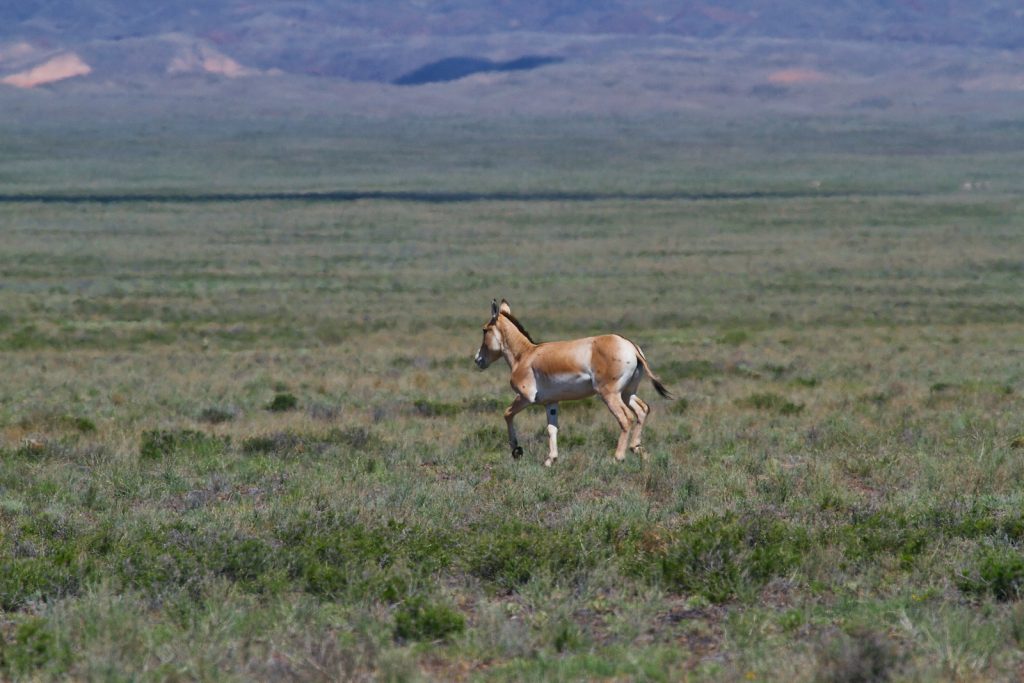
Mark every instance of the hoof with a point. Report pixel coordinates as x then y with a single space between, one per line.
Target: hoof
549 462
620 458
517 452
641 451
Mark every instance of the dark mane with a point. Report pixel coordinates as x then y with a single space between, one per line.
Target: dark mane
519 326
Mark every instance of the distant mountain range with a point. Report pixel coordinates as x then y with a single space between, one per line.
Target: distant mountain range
250 23
126 45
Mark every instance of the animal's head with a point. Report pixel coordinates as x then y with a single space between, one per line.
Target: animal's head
490 347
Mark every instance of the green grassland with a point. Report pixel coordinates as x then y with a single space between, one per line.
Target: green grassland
245 440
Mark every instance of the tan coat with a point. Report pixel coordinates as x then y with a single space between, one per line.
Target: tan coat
610 366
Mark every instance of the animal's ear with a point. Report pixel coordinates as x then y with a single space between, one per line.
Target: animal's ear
505 308
494 308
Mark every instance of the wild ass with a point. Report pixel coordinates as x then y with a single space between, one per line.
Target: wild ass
609 366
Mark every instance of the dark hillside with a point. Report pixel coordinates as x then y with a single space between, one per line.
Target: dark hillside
454 68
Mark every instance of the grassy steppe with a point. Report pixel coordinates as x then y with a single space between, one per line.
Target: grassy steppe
838 494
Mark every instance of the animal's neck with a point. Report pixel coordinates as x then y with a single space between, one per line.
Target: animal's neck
516 343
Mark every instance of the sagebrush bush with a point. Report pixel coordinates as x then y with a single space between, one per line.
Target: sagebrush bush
998 572
48 577
330 556
860 656
418 619
490 437
283 402
156 444
290 443
865 538
216 415
277 443
510 553
32 647
734 337
772 402
428 408
719 557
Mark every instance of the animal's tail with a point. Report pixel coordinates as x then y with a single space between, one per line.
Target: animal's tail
658 386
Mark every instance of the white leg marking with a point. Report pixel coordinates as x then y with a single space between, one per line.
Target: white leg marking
552 435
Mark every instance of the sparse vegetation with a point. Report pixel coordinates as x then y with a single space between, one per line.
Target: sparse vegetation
836 496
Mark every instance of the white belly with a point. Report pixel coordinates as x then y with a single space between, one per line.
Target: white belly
563 387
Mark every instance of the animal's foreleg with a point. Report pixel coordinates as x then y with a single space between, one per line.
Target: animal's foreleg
510 414
552 435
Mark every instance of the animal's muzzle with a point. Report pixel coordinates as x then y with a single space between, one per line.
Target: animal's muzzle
480 362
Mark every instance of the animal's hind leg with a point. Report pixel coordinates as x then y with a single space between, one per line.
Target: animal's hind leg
623 415
641 410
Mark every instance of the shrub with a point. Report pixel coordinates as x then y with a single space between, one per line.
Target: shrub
869 536
52 575
676 370
507 560
772 402
80 424
38 448
288 443
734 337
716 557
276 443
161 443
356 438
428 408
332 555
567 636
242 560
490 437
25 578
417 619
32 647
159 560
283 402
155 560
998 572
216 415
862 656
324 412
1017 625
513 553
322 578
689 489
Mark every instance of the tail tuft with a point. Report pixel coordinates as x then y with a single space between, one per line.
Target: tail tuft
658 386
